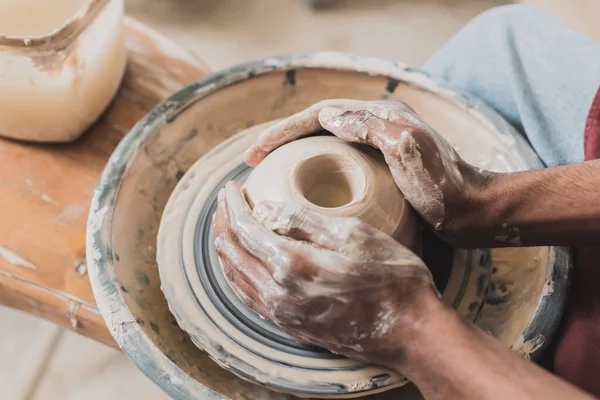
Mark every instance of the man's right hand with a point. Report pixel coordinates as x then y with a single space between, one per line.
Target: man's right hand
335 282
440 185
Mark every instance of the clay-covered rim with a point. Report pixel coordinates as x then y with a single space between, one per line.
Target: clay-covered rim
130 336
60 37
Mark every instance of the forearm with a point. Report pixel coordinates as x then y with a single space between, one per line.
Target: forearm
448 358
553 206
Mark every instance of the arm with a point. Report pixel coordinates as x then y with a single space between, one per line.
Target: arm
450 358
340 284
466 206
552 206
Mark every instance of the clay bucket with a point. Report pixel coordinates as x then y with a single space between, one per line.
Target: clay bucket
527 287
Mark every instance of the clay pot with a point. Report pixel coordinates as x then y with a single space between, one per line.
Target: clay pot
333 177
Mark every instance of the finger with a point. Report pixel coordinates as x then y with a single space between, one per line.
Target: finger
245 292
238 258
298 125
282 257
294 127
351 238
287 260
310 121
362 126
248 279
253 236
300 223
339 234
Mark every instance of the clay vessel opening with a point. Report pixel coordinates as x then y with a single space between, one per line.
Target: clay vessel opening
330 180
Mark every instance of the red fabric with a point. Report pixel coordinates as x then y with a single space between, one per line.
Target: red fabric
591 137
577 355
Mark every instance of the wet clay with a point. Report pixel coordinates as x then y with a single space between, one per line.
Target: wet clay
336 178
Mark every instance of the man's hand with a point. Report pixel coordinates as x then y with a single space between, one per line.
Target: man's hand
334 282
467 207
341 284
440 186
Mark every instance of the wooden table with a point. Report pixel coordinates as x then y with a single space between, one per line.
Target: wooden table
46 190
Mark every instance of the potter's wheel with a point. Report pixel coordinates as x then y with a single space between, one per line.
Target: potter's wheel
527 287
238 338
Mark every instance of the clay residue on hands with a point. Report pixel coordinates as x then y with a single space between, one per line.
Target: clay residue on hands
423 164
306 271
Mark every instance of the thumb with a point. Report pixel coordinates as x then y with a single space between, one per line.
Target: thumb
298 223
363 127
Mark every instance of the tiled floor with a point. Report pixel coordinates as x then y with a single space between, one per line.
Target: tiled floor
39 361
42 362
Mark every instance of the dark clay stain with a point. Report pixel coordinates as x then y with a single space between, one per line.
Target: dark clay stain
141 277
110 185
469 103
179 175
290 77
485 259
154 327
251 74
340 387
123 289
139 235
494 297
381 377
417 70
554 276
474 306
494 270
172 320
140 321
392 84
210 127
191 134
481 281
117 257
104 249
503 288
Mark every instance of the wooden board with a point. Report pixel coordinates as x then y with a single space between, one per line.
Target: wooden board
46 190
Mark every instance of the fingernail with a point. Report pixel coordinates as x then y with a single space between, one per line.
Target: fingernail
330 115
250 151
254 155
231 185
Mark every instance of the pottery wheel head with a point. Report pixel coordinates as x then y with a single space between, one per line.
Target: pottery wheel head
206 307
